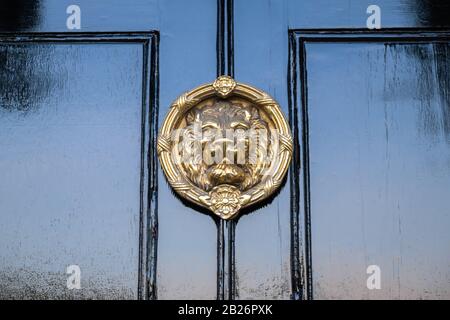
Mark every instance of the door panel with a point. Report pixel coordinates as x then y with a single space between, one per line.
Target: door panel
380 168
70 152
377 146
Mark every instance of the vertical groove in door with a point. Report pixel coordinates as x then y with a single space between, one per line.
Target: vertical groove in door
152 215
226 280
230 38
220 37
231 257
301 268
142 279
296 267
307 282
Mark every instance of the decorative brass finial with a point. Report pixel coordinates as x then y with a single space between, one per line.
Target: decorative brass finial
225 146
224 85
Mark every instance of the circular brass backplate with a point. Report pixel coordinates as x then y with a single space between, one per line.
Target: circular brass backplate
225 146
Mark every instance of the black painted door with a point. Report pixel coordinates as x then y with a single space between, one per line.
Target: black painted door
82 194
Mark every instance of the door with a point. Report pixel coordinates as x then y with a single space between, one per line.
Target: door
86 211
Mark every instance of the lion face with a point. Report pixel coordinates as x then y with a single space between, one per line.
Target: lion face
229 148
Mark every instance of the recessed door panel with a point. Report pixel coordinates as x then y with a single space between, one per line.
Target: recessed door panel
379 145
70 159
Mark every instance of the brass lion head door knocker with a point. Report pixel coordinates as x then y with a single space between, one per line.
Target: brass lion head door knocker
225 146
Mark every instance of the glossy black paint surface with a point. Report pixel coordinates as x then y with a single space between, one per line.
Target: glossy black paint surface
94 194
381 198
377 150
71 165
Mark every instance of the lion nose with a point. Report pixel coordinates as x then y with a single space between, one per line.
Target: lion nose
228 149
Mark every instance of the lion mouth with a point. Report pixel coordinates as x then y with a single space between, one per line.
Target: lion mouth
226 174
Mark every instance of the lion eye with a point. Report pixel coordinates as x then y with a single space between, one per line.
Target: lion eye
209 131
239 126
